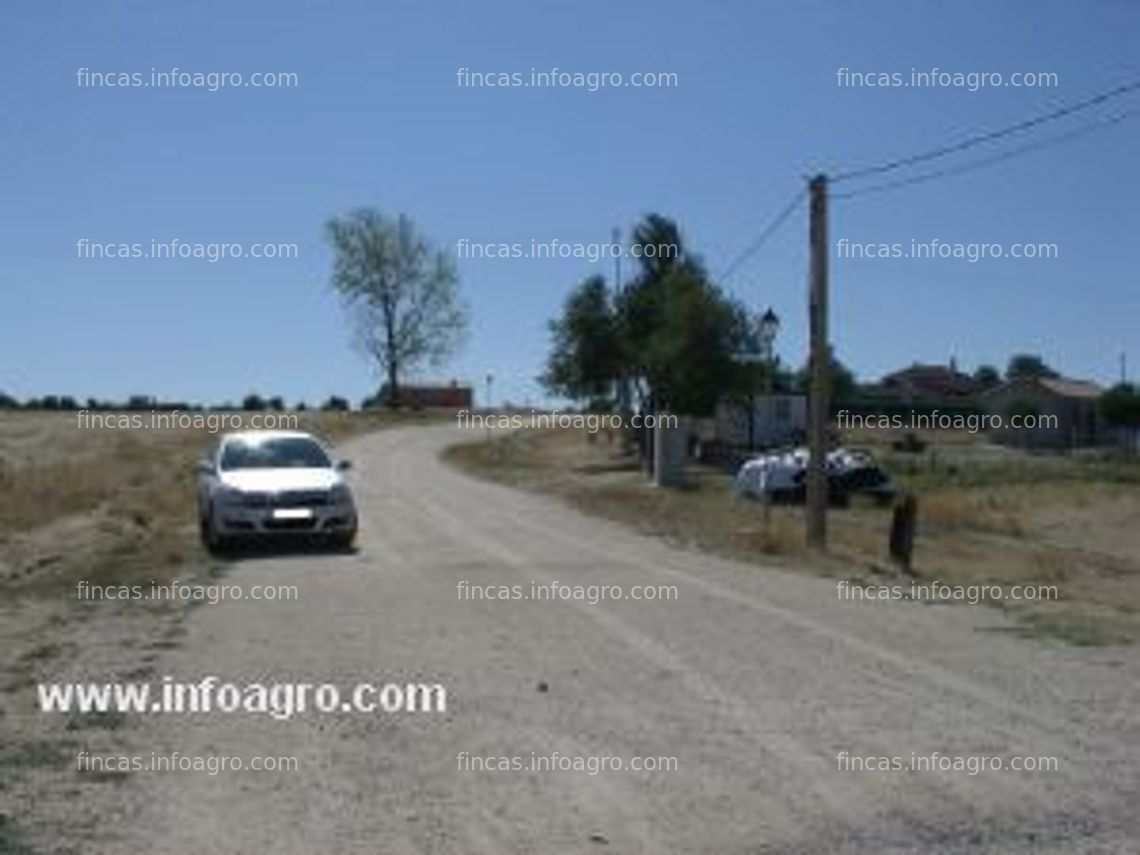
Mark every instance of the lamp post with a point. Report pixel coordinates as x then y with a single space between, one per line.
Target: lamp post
766 329
769 327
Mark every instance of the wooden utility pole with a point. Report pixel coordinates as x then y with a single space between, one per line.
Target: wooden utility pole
819 370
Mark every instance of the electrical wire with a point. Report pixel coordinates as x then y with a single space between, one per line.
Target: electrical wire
942 151
769 230
988 136
989 161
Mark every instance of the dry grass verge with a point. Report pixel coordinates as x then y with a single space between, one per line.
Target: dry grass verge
986 517
113 507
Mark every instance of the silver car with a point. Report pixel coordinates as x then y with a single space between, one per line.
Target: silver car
273 483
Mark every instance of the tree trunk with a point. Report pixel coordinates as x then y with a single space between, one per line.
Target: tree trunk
393 389
390 346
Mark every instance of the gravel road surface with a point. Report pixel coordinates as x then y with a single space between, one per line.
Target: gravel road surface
755 680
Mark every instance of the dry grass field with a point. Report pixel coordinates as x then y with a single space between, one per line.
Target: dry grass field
112 505
987 515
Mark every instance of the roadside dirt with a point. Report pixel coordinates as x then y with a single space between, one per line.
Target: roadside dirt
754 679
988 516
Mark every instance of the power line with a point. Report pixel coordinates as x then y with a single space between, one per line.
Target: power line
942 151
989 161
989 136
769 230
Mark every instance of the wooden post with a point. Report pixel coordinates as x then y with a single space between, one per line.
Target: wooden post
902 531
820 369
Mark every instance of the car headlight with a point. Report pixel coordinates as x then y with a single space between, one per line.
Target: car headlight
340 495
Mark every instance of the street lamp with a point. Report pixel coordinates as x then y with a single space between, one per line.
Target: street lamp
768 327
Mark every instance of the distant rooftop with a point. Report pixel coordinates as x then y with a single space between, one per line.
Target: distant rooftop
1063 386
1071 388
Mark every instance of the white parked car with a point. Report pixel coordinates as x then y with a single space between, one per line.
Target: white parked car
777 475
783 476
273 483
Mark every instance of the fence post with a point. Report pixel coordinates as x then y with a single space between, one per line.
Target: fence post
902 531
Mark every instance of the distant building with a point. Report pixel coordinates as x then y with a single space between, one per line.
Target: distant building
419 396
932 383
1067 412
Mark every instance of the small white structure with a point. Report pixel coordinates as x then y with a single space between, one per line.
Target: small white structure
776 420
670 454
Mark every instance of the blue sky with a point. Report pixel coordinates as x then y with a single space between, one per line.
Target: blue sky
379 120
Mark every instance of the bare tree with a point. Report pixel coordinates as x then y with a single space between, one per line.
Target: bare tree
403 293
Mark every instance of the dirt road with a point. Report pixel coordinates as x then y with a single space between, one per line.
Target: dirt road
753 679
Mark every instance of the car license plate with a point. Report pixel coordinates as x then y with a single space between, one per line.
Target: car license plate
292 513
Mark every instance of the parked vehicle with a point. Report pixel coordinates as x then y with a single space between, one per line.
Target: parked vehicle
272 484
855 472
782 476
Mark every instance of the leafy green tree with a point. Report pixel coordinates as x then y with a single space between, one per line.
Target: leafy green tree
670 337
642 305
585 358
1024 366
691 359
659 248
403 294
987 377
1120 406
679 334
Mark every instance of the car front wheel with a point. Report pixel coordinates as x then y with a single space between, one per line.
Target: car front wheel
344 539
215 542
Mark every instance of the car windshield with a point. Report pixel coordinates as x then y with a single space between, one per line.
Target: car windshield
277 453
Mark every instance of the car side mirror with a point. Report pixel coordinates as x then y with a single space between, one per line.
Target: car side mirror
343 465
205 467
